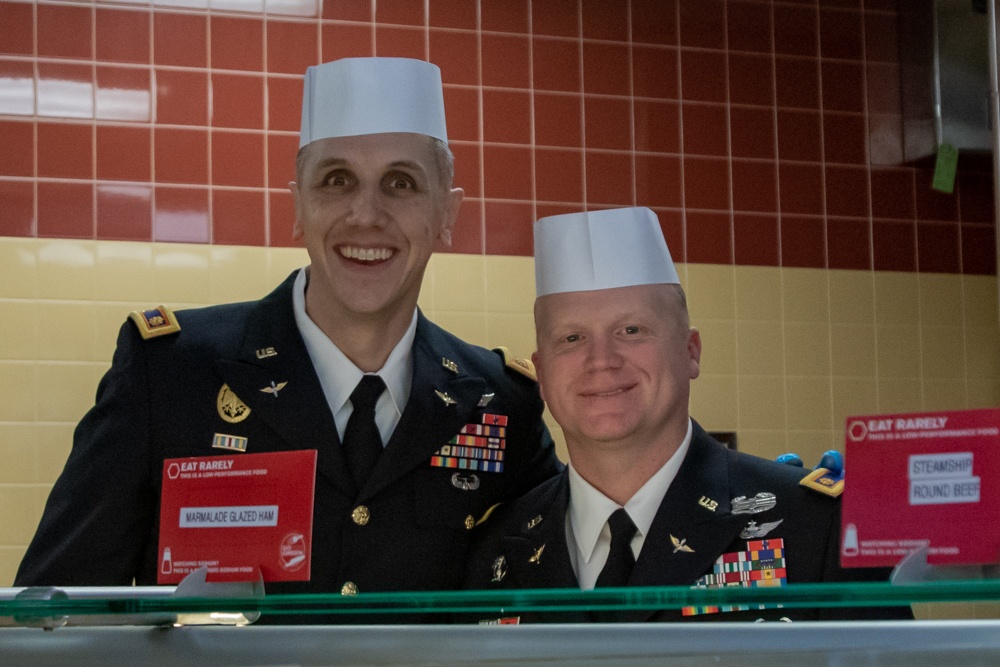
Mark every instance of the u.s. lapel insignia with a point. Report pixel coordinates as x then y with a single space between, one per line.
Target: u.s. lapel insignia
680 545
536 557
265 352
708 503
468 482
499 569
448 400
230 407
231 442
485 399
274 388
761 502
534 522
753 531
449 364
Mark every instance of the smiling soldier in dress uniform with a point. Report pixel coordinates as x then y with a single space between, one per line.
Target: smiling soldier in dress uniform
649 498
459 427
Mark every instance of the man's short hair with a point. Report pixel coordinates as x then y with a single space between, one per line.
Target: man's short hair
444 160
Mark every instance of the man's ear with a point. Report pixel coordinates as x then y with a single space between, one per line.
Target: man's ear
455 197
694 352
296 228
536 359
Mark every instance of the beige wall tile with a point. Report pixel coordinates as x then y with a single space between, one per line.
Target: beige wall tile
10 558
805 295
238 273
761 402
852 350
715 401
54 441
124 272
510 284
459 283
853 397
942 352
898 351
945 395
765 443
981 299
718 346
66 269
65 390
17 527
470 327
759 348
984 393
941 300
18 329
282 261
758 293
18 268
17 391
808 403
18 451
982 352
711 292
899 395
897 298
181 273
852 297
66 331
807 348
810 445
514 331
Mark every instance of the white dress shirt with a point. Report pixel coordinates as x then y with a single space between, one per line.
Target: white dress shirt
588 536
339 376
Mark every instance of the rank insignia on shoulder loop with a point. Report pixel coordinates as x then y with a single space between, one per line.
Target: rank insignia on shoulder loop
522 366
231 442
449 364
536 557
499 569
465 482
824 481
155 322
754 532
680 545
230 407
761 502
448 400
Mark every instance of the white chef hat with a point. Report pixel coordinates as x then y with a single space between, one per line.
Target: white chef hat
579 252
354 96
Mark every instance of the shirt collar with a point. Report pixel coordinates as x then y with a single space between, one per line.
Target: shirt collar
589 509
339 376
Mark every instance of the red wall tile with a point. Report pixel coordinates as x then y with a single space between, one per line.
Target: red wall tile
604 20
238 217
658 180
181 97
237 159
803 242
285 60
895 245
506 61
556 18
65 151
799 135
237 43
609 178
65 210
705 129
467 171
64 31
751 80
848 243
846 191
606 123
754 188
559 175
507 172
797 82
703 75
181 215
281 152
752 132
123 35
938 249
702 23
123 154
706 183
840 34
18 156
749 27
284 103
755 240
180 155
400 42
404 12
17 32
801 188
457 54
605 69
347 41
467 237
505 15
558 120
281 220
654 21
979 249
180 39
556 64
709 237
507 116
795 30
124 212
844 138
508 229
656 126
17 215
462 110
349 10
654 72
237 101
459 14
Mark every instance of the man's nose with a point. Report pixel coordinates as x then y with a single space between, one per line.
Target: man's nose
603 353
366 207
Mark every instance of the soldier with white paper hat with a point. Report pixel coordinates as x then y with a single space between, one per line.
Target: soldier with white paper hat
649 498
394 506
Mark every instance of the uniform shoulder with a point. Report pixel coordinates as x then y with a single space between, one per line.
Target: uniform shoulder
752 469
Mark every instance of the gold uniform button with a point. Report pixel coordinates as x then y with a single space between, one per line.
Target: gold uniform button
470 521
350 588
361 515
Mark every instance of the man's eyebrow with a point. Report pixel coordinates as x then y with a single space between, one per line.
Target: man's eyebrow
326 163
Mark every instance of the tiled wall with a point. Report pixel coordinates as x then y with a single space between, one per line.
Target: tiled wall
144 152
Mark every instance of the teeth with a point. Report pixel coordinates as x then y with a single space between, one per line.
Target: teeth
365 254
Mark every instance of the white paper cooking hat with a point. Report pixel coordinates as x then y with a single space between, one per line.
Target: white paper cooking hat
580 252
356 96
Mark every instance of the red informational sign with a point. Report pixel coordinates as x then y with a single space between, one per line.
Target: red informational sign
237 515
922 479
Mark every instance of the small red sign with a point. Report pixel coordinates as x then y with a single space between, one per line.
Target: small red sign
238 515
922 479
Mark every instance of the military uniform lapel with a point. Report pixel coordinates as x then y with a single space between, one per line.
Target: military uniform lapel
441 402
693 525
273 374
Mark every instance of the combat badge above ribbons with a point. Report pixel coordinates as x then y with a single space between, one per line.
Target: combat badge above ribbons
155 322
230 407
477 447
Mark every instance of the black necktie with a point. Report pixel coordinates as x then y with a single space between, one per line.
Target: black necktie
620 561
362 442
